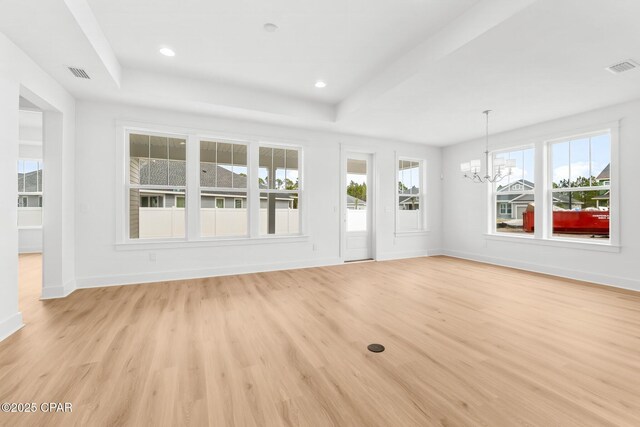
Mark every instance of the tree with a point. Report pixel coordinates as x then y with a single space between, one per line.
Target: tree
357 191
583 199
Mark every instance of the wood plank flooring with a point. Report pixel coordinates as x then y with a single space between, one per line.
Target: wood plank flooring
467 344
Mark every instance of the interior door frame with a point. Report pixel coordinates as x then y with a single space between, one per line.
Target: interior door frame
372 193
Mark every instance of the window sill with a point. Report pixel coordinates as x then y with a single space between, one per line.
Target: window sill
407 233
202 243
559 243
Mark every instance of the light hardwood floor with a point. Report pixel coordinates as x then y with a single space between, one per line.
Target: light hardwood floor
466 344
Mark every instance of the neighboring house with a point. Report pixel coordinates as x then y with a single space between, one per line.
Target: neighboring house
355 203
512 206
30 182
604 179
409 202
172 172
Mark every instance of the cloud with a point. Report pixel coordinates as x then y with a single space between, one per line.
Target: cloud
577 169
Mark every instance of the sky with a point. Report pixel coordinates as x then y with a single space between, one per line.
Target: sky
27 166
569 159
357 178
578 152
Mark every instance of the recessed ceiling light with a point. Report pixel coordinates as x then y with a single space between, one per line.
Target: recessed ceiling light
166 51
320 84
270 28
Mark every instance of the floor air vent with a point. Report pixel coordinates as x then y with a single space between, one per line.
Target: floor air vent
79 73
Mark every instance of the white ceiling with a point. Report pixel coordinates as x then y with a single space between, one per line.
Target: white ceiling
341 42
413 70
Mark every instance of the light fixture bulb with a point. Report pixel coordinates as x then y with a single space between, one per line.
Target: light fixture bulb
166 51
320 84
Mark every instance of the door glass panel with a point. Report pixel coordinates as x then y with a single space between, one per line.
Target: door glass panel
356 195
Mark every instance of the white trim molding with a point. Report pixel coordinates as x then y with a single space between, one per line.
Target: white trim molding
10 325
600 279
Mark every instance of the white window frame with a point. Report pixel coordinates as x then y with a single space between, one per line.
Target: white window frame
493 211
299 191
25 194
193 202
613 200
223 190
543 197
216 202
422 195
143 187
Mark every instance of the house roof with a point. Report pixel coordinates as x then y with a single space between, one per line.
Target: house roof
509 187
213 175
605 174
354 200
30 182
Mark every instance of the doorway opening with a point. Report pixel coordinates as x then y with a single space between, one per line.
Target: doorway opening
358 207
30 168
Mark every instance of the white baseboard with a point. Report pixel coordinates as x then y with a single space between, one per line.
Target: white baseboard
10 325
53 292
30 250
607 280
163 276
402 255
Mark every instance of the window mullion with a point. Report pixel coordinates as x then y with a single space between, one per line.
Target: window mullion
253 190
192 190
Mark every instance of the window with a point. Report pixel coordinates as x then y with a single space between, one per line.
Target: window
280 184
150 201
410 196
514 195
29 193
223 187
578 200
156 202
581 187
157 172
505 208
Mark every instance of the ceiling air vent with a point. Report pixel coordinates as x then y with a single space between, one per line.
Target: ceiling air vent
79 73
623 66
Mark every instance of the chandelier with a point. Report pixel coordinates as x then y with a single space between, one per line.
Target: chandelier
501 167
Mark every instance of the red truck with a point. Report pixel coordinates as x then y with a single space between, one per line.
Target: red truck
573 222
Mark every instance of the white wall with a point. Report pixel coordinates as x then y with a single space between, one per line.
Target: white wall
100 262
20 75
465 223
10 317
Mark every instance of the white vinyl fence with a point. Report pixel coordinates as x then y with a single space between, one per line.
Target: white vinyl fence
287 221
169 222
29 217
161 222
